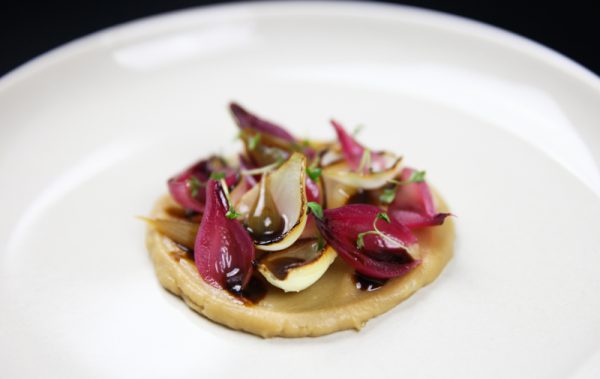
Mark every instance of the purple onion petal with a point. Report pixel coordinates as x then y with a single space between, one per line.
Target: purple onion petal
223 251
413 205
380 258
181 188
247 120
352 150
313 191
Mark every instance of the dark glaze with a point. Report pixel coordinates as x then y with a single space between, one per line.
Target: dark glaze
360 197
281 266
184 214
253 293
265 224
365 283
185 249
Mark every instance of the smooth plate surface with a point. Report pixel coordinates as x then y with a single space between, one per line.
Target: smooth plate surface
507 130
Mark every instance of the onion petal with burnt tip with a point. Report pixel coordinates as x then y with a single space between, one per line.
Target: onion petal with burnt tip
188 187
387 249
297 267
413 204
274 211
224 252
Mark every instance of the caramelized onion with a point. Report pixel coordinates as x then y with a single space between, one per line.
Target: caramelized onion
280 199
188 187
224 251
413 205
390 254
179 231
298 266
246 120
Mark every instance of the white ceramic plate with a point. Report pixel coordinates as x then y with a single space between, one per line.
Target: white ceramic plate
507 129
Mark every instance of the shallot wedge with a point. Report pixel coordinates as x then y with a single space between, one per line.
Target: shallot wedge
188 187
223 251
246 120
413 205
274 211
297 267
374 245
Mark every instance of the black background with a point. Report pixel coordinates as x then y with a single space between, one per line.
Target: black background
29 28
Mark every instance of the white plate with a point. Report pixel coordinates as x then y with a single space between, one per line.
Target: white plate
508 130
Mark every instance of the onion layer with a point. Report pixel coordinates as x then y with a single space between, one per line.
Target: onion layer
413 205
223 251
391 252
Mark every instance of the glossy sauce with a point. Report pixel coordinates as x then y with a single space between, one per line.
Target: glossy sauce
255 291
360 197
265 224
280 267
367 284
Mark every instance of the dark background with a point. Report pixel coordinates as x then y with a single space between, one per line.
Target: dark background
29 28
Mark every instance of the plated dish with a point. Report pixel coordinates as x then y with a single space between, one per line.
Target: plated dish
251 242
506 129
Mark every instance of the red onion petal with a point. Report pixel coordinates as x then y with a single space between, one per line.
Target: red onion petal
354 151
313 191
413 205
182 191
247 120
223 251
380 258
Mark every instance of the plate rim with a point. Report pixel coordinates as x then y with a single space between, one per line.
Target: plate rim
424 16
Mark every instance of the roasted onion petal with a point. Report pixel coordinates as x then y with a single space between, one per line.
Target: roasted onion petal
337 194
297 267
264 149
342 173
354 151
188 187
246 120
180 231
382 257
413 205
223 251
286 187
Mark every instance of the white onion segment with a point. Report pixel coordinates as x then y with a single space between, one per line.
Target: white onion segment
342 173
287 188
298 267
337 194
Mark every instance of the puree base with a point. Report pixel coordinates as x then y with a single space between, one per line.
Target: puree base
332 304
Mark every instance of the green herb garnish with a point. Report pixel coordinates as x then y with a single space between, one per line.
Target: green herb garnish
415 177
388 195
217 175
360 242
232 213
254 141
314 173
193 184
316 209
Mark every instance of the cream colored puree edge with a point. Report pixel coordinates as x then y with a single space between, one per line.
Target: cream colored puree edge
332 304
